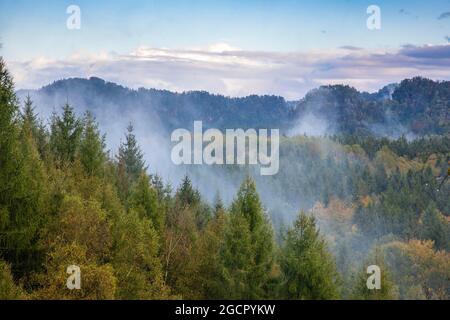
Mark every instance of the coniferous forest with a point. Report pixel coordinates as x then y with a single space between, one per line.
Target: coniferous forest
359 200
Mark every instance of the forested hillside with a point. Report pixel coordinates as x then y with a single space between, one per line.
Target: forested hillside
339 203
415 107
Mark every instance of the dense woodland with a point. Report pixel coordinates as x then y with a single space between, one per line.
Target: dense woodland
415 107
360 200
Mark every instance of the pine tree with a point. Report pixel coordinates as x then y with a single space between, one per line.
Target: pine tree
34 205
30 119
164 191
237 260
308 269
205 272
131 156
28 114
92 146
249 246
9 155
65 135
188 197
22 185
186 194
144 200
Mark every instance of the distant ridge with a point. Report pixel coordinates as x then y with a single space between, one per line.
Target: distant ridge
416 106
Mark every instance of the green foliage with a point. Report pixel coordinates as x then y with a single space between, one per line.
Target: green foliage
417 105
144 200
82 222
9 147
135 258
388 290
180 237
92 145
207 277
97 280
65 135
23 183
248 250
435 227
37 128
8 289
64 202
130 157
188 197
308 269
237 259
421 271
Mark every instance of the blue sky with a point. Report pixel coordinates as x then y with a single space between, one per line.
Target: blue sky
31 30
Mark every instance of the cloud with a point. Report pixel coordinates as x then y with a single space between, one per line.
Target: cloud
433 53
444 15
230 71
351 48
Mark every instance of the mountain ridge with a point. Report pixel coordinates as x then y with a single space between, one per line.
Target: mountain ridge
416 106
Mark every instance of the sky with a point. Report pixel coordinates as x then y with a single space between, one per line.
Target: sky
235 48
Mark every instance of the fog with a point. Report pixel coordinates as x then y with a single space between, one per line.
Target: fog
114 113
311 125
280 194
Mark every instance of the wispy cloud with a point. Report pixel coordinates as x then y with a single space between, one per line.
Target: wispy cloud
231 71
351 48
444 15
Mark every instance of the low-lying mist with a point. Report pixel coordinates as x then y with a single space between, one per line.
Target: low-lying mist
154 114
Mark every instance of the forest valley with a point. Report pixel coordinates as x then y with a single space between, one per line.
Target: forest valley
359 200
214 147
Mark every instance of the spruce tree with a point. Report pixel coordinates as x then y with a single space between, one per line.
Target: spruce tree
249 246
309 271
28 114
65 135
186 194
22 184
9 143
131 156
144 200
92 146
9 150
237 259
38 130
205 271
187 197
